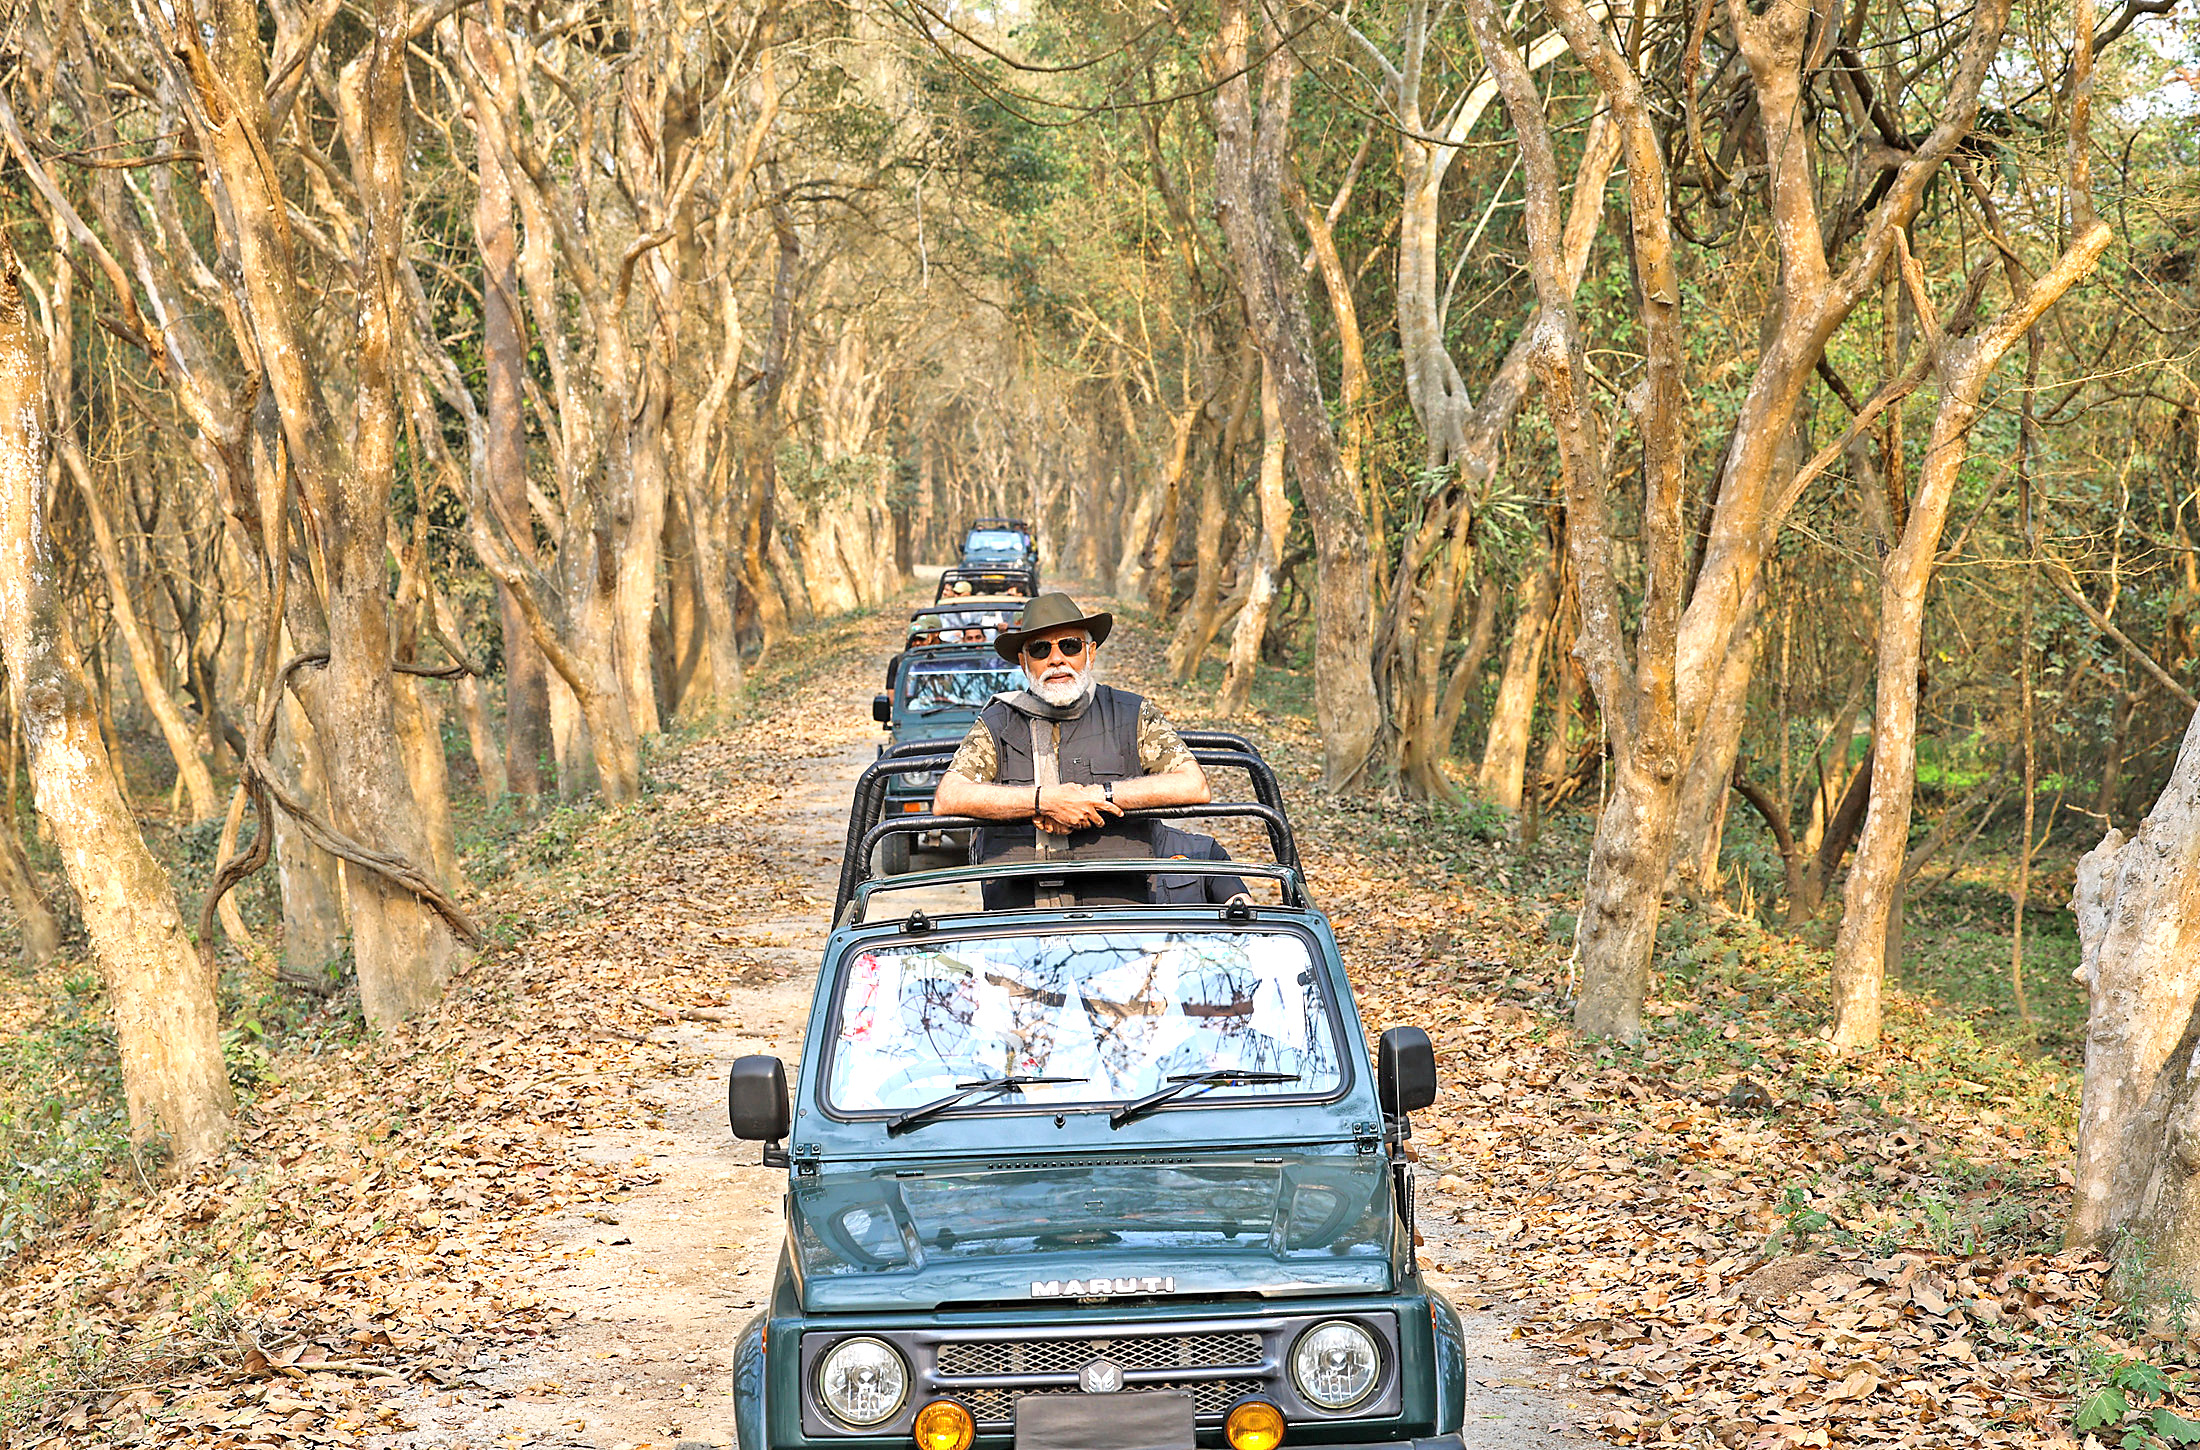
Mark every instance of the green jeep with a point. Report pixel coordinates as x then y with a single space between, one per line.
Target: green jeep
935 695
1111 1176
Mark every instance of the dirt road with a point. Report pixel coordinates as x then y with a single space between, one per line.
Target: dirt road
657 1285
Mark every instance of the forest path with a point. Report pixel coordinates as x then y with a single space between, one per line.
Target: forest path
660 1282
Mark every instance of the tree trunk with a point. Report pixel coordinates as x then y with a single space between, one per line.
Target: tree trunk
1700 825
1623 892
1838 833
1424 615
1196 627
481 741
1160 571
417 715
1248 169
1260 587
225 911
639 523
703 494
41 935
1558 746
1505 752
2109 797
166 1021
1134 570
2139 1120
192 775
310 879
1621 897
1467 673
683 669
405 951
137 640
504 361
419 724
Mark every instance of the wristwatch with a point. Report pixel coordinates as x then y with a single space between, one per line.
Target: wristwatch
1107 791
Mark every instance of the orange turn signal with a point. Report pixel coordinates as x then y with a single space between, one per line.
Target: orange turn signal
1253 1425
945 1425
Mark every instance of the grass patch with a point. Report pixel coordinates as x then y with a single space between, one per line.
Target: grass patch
63 1124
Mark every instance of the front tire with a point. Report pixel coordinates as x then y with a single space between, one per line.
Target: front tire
749 1423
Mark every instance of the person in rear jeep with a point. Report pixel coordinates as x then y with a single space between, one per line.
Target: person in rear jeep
1052 764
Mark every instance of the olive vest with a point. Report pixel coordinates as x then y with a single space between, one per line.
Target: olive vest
1099 745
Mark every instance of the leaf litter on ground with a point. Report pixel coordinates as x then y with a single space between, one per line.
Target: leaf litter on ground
379 1225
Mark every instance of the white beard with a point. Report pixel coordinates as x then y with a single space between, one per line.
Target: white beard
1068 692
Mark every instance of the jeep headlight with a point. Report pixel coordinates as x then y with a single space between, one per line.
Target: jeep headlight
1335 1364
862 1381
920 780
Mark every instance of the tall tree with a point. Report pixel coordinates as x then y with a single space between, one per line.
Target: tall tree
407 934
1655 703
1964 368
165 1016
504 451
1249 154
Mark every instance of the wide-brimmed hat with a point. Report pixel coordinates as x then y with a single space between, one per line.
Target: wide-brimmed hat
1050 611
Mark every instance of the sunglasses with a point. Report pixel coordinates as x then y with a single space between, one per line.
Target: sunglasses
1040 649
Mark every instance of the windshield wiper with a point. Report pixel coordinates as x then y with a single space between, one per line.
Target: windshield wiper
1184 1082
991 1087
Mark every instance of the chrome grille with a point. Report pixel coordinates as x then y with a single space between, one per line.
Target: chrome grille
1209 1397
1239 1350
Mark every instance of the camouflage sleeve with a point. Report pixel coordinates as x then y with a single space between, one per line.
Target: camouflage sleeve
1160 749
977 759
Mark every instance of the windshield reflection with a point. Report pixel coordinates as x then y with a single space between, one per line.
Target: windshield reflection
1125 1010
957 689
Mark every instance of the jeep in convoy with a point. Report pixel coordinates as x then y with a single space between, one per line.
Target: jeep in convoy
1002 544
961 624
1012 581
929 704
1116 1174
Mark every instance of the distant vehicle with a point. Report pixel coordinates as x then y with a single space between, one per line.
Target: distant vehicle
1002 543
1116 1176
929 707
1007 581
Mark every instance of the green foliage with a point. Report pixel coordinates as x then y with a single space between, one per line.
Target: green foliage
2124 1395
63 1123
809 475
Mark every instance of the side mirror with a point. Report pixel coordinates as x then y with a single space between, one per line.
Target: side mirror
882 709
756 1099
1405 1071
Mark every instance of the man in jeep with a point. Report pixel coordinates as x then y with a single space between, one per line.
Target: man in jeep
1053 763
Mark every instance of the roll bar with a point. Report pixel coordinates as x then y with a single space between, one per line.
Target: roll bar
976 574
1292 883
868 825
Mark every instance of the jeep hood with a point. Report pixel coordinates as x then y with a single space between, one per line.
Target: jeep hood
945 726
1065 1228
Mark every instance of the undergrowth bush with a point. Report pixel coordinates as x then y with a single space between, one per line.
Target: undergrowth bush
63 1121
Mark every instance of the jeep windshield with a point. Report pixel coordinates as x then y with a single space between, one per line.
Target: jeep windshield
1127 1012
934 688
986 545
